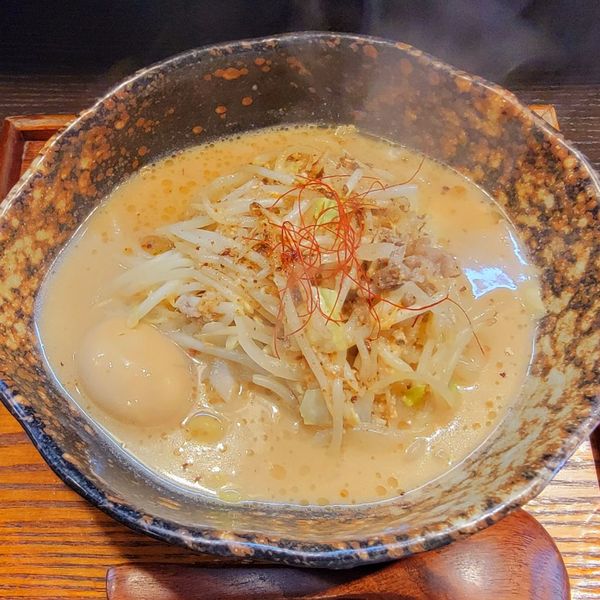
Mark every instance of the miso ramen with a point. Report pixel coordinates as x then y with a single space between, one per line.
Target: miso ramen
306 315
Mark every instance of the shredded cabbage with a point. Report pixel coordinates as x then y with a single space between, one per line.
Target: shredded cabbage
415 395
325 211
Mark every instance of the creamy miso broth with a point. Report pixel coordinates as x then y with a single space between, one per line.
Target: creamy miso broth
303 314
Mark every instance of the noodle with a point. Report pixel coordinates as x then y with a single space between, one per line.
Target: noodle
314 272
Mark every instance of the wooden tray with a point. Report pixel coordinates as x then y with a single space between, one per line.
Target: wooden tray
56 545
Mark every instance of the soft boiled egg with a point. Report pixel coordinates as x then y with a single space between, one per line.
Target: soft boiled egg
136 374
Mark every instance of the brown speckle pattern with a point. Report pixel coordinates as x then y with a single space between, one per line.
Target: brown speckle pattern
547 189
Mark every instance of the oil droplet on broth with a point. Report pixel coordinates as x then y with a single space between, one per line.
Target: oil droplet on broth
380 490
278 472
204 428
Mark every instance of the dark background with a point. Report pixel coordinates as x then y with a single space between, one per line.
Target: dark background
505 40
58 56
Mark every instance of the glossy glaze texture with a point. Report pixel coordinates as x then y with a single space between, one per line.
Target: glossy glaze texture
546 188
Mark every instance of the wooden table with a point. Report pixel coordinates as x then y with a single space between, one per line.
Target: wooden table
55 545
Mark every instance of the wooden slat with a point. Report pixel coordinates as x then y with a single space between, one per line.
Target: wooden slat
55 545
569 509
31 149
21 140
547 112
11 150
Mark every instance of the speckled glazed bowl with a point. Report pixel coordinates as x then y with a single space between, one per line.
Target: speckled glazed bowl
547 188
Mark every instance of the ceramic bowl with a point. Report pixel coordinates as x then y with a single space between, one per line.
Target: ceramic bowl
389 89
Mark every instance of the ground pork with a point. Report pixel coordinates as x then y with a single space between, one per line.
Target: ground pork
421 263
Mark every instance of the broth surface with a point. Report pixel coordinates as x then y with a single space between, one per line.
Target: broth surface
257 449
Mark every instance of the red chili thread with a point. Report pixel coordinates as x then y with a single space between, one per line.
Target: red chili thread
303 256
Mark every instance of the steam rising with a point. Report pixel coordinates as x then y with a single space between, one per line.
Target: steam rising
491 38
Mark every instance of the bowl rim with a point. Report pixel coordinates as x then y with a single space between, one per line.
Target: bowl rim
293 552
